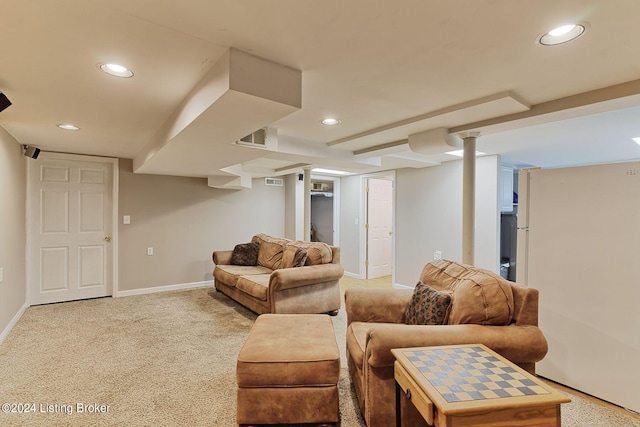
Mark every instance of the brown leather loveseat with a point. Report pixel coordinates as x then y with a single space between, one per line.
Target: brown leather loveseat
277 275
484 308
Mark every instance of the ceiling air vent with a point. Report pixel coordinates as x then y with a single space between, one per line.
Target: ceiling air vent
276 182
255 139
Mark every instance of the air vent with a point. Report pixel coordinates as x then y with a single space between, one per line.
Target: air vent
322 186
255 139
276 182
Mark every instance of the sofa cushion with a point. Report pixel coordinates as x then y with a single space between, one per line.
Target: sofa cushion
256 285
481 298
289 351
270 255
229 274
427 306
478 296
293 256
245 254
261 237
317 252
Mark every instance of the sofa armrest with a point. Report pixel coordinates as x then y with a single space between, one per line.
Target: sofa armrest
222 257
287 278
376 305
519 344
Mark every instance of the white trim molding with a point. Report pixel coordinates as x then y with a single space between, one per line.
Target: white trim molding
12 323
164 288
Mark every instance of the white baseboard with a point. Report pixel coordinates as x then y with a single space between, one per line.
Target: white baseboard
352 275
12 323
165 288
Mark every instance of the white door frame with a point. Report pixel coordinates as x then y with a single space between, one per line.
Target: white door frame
114 239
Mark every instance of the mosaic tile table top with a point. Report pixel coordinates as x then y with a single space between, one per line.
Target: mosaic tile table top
463 380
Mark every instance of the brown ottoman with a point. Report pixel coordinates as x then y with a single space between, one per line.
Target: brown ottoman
288 371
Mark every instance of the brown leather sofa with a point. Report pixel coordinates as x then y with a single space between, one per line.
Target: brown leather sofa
376 324
285 277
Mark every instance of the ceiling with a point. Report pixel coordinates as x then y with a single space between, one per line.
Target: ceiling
208 72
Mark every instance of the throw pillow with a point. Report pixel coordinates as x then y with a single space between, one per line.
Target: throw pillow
317 252
293 256
428 306
245 254
270 255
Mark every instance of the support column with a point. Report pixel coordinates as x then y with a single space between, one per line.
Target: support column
468 196
307 204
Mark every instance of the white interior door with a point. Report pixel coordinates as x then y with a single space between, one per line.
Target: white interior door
71 228
379 227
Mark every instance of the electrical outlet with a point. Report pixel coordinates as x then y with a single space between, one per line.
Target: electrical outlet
437 255
149 251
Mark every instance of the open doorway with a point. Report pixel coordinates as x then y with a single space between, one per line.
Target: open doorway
324 210
508 223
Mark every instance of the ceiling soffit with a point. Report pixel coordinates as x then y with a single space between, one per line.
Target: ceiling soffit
241 94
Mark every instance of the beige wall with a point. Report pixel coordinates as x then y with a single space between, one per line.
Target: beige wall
12 229
429 216
184 220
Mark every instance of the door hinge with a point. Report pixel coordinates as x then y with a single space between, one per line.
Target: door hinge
366 263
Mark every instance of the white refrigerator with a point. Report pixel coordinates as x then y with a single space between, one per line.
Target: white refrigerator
579 245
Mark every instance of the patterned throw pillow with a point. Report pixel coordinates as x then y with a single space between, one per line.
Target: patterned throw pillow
428 306
245 254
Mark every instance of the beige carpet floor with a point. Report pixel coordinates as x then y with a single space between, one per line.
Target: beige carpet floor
165 359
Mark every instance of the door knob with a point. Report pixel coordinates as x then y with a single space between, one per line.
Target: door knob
107 238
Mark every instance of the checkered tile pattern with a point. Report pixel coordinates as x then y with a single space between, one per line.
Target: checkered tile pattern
471 373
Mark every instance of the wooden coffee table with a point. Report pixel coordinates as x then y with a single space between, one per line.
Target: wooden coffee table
471 385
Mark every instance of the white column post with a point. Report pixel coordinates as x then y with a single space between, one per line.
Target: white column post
468 196
307 204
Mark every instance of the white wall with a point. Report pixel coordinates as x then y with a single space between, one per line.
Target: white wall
350 232
429 216
290 206
13 190
294 207
487 237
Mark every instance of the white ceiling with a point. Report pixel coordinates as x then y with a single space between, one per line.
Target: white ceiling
387 70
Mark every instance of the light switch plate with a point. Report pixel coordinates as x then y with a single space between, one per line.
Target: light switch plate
1 274
126 219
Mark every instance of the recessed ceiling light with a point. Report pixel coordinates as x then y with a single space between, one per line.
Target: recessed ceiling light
116 70
636 140
563 34
330 121
68 126
460 153
330 171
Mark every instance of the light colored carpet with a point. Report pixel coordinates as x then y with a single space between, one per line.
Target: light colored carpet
165 359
